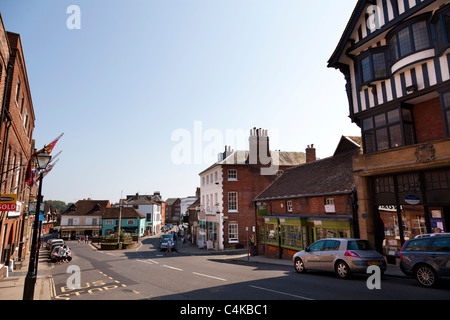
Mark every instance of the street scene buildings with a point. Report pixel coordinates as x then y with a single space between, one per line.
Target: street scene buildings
387 185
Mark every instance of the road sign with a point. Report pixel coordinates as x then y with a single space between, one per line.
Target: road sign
8 202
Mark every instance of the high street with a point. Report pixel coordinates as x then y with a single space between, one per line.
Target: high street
147 273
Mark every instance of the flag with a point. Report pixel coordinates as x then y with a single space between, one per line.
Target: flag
49 148
29 172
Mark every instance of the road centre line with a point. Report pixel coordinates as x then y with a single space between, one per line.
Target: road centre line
205 275
172 267
279 292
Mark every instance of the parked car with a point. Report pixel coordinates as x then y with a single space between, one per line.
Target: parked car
54 255
53 241
164 239
427 258
342 256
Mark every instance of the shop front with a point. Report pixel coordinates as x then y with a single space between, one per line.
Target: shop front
410 204
282 237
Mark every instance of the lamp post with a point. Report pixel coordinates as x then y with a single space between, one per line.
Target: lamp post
42 160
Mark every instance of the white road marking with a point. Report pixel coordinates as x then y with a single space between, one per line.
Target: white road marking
172 268
205 275
279 292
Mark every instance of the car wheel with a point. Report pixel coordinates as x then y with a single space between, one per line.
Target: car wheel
342 270
299 265
426 276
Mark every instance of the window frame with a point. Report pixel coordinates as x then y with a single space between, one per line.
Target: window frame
232 175
439 22
394 34
231 231
376 130
230 202
370 55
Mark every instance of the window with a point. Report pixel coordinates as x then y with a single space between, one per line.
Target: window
418 245
316 246
331 245
289 205
271 233
291 236
407 40
441 245
17 91
233 232
232 201
442 23
388 130
373 66
232 175
329 205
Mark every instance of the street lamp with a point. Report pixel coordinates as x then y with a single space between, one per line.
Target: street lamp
42 161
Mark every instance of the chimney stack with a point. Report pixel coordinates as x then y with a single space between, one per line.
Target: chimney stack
310 154
258 146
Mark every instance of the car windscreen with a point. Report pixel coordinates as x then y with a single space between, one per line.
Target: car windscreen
358 245
167 237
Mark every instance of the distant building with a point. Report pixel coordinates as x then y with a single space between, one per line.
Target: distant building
173 210
153 209
227 213
131 221
83 218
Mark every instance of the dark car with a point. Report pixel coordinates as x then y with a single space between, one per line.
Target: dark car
427 258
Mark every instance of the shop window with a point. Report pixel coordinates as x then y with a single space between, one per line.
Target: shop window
291 236
271 234
388 130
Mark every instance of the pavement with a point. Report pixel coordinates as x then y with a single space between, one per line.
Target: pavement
11 287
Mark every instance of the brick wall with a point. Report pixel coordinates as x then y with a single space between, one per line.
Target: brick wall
428 121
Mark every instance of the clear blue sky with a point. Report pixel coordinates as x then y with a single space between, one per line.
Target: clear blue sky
139 71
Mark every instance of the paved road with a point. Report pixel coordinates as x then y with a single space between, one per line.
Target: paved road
149 274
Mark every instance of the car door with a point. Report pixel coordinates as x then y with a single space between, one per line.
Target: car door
328 254
311 259
440 255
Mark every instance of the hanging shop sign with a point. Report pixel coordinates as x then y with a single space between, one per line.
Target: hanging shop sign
412 199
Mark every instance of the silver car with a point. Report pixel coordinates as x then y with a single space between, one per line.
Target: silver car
343 256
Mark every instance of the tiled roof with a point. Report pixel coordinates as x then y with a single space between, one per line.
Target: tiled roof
87 207
331 175
127 212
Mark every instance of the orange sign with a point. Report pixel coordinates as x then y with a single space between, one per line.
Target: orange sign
8 202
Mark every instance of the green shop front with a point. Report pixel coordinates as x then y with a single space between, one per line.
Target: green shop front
283 236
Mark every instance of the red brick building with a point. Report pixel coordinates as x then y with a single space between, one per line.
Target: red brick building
16 145
309 202
227 213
